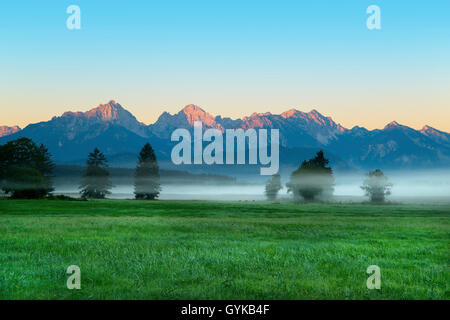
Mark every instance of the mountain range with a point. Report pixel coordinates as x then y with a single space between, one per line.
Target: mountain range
116 132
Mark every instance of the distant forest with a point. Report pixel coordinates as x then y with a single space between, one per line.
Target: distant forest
69 175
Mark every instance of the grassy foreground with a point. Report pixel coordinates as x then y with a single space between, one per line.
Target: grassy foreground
211 250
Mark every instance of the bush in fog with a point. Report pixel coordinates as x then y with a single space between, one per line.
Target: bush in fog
273 186
376 186
25 169
312 180
96 183
146 179
24 183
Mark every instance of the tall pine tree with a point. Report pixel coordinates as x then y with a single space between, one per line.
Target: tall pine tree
96 183
146 180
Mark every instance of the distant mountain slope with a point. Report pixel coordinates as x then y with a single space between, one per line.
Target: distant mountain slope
109 113
297 129
66 146
120 136
436 135
6 131
74 134
395 146
167 122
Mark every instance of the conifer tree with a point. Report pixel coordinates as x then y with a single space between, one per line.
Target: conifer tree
146 181
96 183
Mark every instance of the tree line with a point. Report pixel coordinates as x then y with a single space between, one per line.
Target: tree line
26 172
314 181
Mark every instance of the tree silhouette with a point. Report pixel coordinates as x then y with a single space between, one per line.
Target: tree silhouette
376 186
273 186
96 183
25 169
146 179
25 183
45 165
312 179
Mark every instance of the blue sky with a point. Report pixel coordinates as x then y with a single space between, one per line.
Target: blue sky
230 57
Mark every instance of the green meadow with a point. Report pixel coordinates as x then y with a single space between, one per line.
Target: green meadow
222 250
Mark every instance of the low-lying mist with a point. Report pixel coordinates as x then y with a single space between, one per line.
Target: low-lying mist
408 186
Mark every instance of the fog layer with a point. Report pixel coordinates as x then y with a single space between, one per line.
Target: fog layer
409 186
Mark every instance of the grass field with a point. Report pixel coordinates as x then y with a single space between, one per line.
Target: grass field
212 250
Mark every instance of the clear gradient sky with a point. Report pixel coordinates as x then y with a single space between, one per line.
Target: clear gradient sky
230 57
